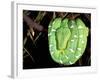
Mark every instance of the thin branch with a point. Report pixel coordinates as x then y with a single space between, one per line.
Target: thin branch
40 16
88 16
72 16
25 40
32 24
26 12
29 54
54 15
26 56
37 37
80 62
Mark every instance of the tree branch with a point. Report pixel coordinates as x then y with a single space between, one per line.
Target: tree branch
32 24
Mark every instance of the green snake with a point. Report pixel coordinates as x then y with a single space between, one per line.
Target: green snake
67 40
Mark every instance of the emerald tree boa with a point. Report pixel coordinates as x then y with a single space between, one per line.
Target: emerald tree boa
67 40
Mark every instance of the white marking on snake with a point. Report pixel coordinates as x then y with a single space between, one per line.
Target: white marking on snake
66 57
72 26
53 30
80 27
79 49
61 61
81 36
82 42
75 36
49 26
72 40
51 46
49 34
70 62
77 56
71 50
53 23
52 53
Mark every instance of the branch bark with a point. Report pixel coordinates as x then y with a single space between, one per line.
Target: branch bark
32 24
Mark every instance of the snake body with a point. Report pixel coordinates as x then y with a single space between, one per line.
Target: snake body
67 40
